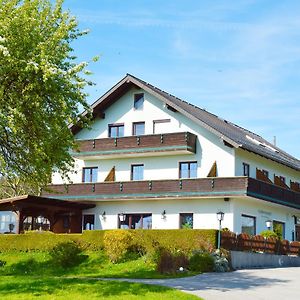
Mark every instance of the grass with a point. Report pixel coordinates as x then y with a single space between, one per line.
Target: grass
31 275
96 265
24 287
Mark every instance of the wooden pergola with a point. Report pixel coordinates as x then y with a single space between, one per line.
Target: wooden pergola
34 212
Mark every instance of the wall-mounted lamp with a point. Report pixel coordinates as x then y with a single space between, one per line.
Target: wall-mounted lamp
163 214
103 215
122 217
269 224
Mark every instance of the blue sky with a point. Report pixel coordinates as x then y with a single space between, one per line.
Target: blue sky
237 59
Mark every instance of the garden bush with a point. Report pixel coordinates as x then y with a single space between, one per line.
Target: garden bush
117 244
2 263
221 261
269 234
168 262
25 267
201 262
67 254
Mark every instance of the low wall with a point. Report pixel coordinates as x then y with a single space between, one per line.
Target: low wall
248 260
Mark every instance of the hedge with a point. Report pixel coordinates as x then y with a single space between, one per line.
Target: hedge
44 241
173 239
118 242
185 240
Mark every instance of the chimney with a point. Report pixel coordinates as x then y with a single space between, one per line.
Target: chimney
274 140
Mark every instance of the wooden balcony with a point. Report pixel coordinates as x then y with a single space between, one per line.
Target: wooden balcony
208 187
144 145
273 193
216 187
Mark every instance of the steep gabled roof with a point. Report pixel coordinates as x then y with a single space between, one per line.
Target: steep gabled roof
232 134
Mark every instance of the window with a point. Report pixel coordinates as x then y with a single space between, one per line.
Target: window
36 223
138 101
161 126
248 224
88 222
246 169
279 229
137 172
89 174
136 221
186 220
138 128
188 169
115 130
6 218
266 173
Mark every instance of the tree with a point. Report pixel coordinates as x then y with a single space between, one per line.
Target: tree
41 90
15 187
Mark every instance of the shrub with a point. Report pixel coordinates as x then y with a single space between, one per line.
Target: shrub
117 244
269 234
221 261
2 263
168 262
201 262
165 262
25 267
67 254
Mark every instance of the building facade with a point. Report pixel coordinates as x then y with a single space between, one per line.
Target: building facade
151 160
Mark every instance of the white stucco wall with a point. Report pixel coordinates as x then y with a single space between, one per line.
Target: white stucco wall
210 148
263 211
257 161
204 213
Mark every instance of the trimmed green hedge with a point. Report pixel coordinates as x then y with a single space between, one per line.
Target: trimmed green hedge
118 242
178 239
44 241
185 240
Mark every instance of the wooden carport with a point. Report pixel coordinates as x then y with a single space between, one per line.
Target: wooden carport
62 216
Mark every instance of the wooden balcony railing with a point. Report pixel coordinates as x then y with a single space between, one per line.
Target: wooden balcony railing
181 142
151 189
177 188
273 193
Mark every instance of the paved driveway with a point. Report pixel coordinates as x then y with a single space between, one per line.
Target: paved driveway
262 284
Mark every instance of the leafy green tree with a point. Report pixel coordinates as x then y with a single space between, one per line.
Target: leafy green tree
11 187
41 89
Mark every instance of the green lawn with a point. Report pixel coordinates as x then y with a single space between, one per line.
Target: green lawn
31 275
24 287
96 265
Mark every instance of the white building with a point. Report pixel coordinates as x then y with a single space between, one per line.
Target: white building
162 163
